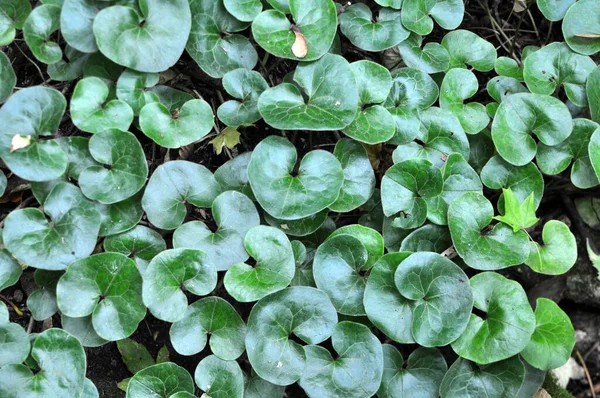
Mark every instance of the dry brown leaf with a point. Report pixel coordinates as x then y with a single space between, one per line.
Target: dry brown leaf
519 5
542 394
19 141
300 47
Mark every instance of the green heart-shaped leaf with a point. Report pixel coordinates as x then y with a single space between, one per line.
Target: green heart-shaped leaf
553 339
369 238
502 379
186 182
211 44
303 256
33 111
521 114
332 97
164 379
458 178
554 65
245 10
459 85
554 10
594 152
70 235
168 273
3 314
219 378
174 129
468 216
315 186
465 47
83 329
373 124
555 159
481 150
404 189
10 270
417 15
8 79
13 14
170 97
386 308
255 387
108 286
581 27
93 112
428 238
432 58
134 88
15 345
424 371
274 267
521 180
356 23
121 216
438 295
233 175
509 324
593 94
70 67
61 362
356 371
300 227
124 170
559 252
210 316
234 215
337 271
42 302
314 22
37 30
149 41
501 87
508 67
141 244
246 86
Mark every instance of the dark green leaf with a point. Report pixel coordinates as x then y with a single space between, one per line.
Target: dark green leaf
432 58
8 79
417 14
219 378
161 380
559 252
135 356
39 26
245 86
466 47
581 28
356 23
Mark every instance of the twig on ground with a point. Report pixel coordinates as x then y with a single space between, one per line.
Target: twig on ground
587 373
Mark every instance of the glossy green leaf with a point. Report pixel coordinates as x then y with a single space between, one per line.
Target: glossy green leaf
141 244
554 10
355 372
3 314
314 20
149 41
304 311
134 88
532 382
386 308
186 182
83 329
10 270
168 274
431 58
588 208
170 97
468 216
14 345
466 48
92 111
233 175
315 186
178 128
303 257
357 24
274 268
424 371
519 216
501 379
521 180
404 189
70 67
61 362
8 78
521 114
417 15
42 302
500 87
53 245
594 152
508 67
300 227
371 239
37 31
245 10
234 215
428 238
121 216
508 326
134 355
330 89
13 14
581 27
33 111
459 85
553 339
593 94
438 295
219 378
555 65
246 87
97 65
559 252
255 387
210 316
108 286
162 380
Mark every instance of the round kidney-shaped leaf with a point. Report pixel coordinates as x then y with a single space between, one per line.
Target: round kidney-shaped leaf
168 273
521 114
233 175
356 371
151 40
554 10
274 269
559 252
8 78
71 234
356 23
42 302
417 14
37 30
428 238
133 87
108 286
140 243
432 58
243 10
83 329
210 316
509 324
466 48
121 216
162 380
304 311
581 27
12 16
77 21
245 86
370 238
219 378
459 85
14 344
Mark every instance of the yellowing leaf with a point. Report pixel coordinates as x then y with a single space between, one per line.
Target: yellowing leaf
300 47
19 141
229 137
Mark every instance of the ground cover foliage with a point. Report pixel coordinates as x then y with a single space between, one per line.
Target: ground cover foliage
309 197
